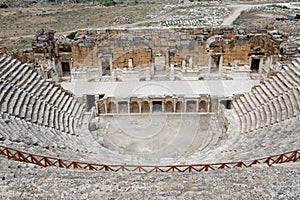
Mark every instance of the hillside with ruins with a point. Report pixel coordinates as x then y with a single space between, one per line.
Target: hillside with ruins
134 99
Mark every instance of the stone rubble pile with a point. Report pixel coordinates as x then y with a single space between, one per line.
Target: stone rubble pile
125 19
191 14
196 17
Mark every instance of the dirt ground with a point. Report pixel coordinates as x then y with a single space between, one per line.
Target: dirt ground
18 25
261 19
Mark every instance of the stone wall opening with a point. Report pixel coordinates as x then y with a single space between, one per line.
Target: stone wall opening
179 107
145 107
202 106
90 102
101 107
111 107
191 106
157 106
134 107
123 107
215 62
255 65
159 62
66 70
169 106
226 103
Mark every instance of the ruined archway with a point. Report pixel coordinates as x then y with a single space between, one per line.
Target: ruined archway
134 107
111 107
169 106
202 106
145 107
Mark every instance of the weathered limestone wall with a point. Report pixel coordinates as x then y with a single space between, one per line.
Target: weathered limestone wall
244 46
104 50
84 56
176 44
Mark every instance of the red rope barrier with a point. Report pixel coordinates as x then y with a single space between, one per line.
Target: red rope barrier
45 161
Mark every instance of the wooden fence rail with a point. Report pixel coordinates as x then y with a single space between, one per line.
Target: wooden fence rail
45 161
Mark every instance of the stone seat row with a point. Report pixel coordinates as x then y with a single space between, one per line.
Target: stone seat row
270 102
271 140
33 84
18 131
26 95
26 106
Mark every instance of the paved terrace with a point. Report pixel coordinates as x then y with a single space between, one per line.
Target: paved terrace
126 89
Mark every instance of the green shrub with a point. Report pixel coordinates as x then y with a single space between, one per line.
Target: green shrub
71 35
3 5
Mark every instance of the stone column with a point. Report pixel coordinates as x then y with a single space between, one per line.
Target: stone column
117 106
97 107
140 106
111 64
208 105
105 106
167 57
260 65
209 63
130 64
71 64
197 105
128 106
152 69
190 66
174 106
151 106
171 75
100 64
221 65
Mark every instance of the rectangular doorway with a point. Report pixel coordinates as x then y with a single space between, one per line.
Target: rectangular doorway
157 106
191 106
65 66
255 65
159 62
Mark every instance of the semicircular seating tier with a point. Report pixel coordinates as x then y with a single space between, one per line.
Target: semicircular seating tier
273 100
33 110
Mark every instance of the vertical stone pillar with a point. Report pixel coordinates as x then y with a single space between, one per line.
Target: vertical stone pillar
250 61
208 105
140 106
260 65
111 64
171 74
167 57
128 106
221 65
96 106
130 64
117 106
71 64
100 64
209 63
197 105
151 106
174 105
152 69
105 106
